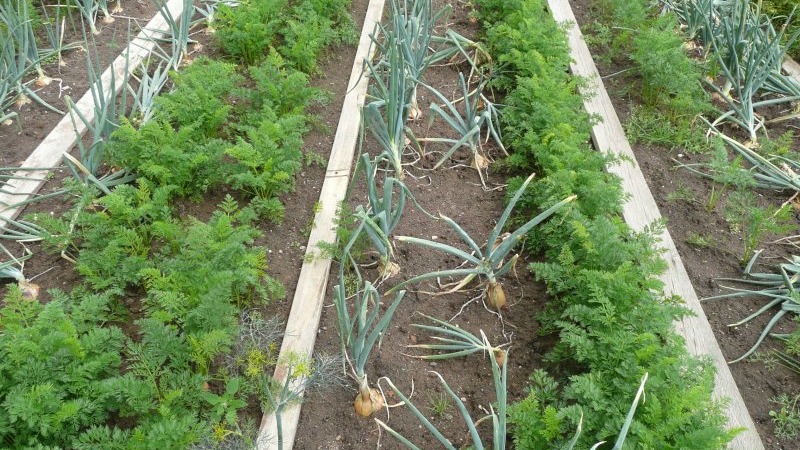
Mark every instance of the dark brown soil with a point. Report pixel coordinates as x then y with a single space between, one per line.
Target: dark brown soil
758 382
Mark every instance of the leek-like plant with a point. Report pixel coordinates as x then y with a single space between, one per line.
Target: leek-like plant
88 10
13 269
454 342
490 262
748 48
695 17
780 291
411 30
150 84
386 116
478 111
386 206
109 106
359 332
178 30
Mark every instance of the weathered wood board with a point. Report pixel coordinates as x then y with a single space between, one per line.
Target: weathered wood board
304 317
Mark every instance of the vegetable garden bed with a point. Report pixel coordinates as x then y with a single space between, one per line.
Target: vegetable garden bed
578 329
706 236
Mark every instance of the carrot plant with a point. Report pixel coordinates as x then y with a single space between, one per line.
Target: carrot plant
607 305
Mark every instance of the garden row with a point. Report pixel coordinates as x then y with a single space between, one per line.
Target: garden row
160 345
739 203
607 307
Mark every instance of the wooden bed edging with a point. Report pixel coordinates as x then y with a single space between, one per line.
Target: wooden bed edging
304 317
63 137
640 211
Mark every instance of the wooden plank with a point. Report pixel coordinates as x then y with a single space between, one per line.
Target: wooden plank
63 136
301 327
640 211
792 68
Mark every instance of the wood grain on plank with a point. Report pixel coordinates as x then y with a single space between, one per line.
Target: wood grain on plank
792 68
304 317
64 135
641 210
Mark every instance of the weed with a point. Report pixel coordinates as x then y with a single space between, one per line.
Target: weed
313 158
755 222
681 193
787 418
439 404
699 241
647 125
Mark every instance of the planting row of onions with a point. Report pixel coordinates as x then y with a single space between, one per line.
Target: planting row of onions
556 421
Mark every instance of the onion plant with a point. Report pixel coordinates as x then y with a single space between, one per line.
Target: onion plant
19 56
779 289
386 116
453 342
55 27
13 269
411 30
748 48
490 262
767 171
498 417
358 333
478 112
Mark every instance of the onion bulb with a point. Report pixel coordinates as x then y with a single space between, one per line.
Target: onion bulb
497 297
367 402
387 268
43 80
480 162
30 291
500 356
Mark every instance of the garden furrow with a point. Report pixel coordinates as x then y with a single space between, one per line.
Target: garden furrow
301 327
641 211
49 153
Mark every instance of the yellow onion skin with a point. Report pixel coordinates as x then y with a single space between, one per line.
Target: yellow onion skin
500 356
370 405
30 291
496 295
